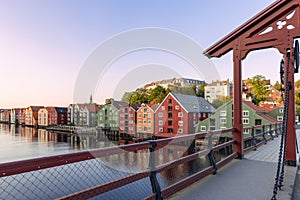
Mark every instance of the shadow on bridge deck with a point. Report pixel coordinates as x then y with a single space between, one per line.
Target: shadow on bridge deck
249 179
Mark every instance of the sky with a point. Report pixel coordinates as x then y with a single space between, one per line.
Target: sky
47 47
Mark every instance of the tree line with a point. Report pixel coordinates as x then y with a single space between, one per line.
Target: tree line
158 94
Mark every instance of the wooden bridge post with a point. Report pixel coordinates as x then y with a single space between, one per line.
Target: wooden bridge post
291 136
237 103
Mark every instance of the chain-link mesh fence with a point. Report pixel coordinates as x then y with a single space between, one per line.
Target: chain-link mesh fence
130 172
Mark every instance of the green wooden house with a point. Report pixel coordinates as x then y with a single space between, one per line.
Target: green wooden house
223 117
277 113
108 115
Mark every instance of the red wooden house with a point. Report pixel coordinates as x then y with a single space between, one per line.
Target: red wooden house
178 114
127 119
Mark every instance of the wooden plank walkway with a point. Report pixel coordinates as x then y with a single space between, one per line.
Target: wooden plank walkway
249 179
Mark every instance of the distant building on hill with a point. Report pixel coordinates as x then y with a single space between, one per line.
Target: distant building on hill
217 88
182 82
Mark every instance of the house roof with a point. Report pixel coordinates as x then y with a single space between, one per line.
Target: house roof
254 107
267 117
268 107
36 108
153 106
61 110
135 107
119 104
193 103
92 107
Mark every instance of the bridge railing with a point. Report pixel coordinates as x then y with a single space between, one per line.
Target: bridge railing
259 135
146 170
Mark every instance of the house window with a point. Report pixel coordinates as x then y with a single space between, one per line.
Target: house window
203 128
245 120
223 113
145 110
169 100
140 115
170 115
223 120
140 128
160 130
212 122
160 122
160 114
149 121
177 107
280 118
180 123
180 114
246 113
281 110
246 131
170 130
170 123
149 115
163 108
169 108
145 128
257 122
180 130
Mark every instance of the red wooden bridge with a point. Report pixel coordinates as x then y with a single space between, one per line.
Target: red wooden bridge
159 169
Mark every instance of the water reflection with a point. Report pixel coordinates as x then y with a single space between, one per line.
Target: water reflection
18 143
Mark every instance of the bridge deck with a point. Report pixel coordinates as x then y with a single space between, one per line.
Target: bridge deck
251 178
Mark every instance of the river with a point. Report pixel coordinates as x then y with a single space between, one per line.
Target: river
19 143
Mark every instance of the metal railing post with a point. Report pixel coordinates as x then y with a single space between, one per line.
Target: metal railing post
270 132
211 155
253 138
264 134
153 179
276 130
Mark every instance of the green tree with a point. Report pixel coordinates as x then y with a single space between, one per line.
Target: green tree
157 94
140 95
278 86
126 97
258 89
201 91
220 100
108 101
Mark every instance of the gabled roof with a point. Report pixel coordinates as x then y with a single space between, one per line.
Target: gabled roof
267 117
153 106
92 107
35 108
135 107
252 106
268 107
61 110
119 104
193 103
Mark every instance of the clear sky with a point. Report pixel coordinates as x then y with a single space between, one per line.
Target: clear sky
44 44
